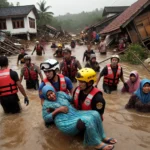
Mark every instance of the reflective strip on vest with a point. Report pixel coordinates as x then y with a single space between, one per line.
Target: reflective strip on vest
7 86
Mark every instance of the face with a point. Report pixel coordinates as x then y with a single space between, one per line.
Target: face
22 51
132 78
114 62
93 60
67 55
82 85
51 95
146 88
49 74
89 47
27 62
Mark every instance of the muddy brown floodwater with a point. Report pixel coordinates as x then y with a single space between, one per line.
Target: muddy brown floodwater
26 131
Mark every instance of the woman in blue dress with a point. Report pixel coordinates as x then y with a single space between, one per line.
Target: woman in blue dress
57 108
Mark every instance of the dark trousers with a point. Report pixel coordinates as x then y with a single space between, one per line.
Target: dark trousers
32 84
108 89
10 103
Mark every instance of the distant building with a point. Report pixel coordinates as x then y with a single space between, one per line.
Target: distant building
135 21
19 20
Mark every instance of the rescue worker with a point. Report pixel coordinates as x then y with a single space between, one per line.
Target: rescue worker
9 85
92 63
30 73
73 44
59 51
21 56
86 96
112 73
53 45
87 53
58 81
70 65
38 48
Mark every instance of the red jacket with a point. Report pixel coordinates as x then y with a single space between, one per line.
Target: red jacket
7 85
63 85
30 74
110 79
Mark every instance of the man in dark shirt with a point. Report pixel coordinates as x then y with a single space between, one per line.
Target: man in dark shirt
9 88
87 53
21 56
86 96
112 73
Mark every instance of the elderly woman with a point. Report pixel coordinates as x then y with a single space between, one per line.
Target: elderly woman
140 100
133 83
57 108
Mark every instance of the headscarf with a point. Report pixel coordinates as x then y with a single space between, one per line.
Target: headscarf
144 97
47 88
134 86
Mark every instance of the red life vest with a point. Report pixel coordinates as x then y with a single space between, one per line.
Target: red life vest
73 68
63 85
110 79
7 85
86 105
30 73
38 48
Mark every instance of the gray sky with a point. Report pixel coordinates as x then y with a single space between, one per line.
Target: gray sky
61 7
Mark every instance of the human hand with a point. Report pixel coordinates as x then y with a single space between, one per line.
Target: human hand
126 86
26 101
63 109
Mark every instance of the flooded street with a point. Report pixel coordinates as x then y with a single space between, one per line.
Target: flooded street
26 131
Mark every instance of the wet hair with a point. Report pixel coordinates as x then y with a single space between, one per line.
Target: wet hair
3 61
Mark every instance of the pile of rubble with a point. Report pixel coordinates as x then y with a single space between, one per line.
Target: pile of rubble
48 33
8 46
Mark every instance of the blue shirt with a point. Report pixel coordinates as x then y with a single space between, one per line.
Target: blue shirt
56 86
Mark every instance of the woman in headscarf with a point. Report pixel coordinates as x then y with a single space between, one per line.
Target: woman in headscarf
140 100
133 83
57 108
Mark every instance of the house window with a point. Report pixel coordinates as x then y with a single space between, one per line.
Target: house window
32 22
3 24
18 23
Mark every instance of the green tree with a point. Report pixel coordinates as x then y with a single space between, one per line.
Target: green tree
45 17
4 3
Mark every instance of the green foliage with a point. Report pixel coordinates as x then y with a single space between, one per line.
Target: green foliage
136 49
4 3
77 22
45 17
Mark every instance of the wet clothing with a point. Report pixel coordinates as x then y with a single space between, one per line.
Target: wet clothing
87 54
70 67
135 103
133 86
10 103
73 44
68 123
21 58
53 46
102 47
112 86
58 53
30 74
56 85
140 100
38 48
97 103
95 66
